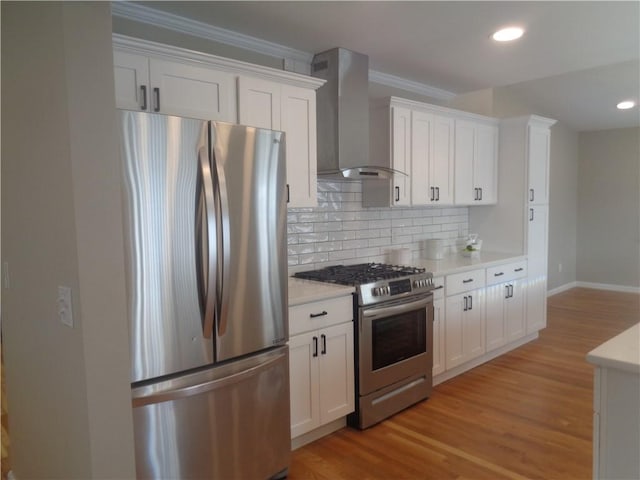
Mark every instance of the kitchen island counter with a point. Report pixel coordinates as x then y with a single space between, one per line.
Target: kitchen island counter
616 397
622 352
305 291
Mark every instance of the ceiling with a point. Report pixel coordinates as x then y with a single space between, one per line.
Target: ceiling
576 61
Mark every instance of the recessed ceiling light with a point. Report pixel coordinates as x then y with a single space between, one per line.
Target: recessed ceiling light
626 104
507 34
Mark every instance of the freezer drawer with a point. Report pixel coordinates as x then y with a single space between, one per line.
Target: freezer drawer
227 422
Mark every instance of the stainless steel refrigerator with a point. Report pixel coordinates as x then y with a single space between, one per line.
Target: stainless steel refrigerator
205 226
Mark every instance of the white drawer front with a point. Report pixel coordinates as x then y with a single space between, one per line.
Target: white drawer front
315 315
506 272
438 292
465 281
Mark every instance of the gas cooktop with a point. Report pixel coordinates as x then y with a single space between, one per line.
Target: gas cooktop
359 274
375 282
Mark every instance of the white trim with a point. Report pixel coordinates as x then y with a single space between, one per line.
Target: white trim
140 13
437 109
409 85
562 288
321 431
609 286
146 47
295 60
596 286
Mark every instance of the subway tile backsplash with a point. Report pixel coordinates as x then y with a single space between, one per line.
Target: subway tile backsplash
341 231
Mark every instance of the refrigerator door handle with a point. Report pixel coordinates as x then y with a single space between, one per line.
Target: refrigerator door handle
206 184
224 254
171 394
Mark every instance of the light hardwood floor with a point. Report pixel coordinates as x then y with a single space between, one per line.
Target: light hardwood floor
526 414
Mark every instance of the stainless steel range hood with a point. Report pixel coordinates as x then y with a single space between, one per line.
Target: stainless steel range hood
342 106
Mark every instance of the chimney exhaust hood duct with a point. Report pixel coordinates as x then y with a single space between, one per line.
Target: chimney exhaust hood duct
342 113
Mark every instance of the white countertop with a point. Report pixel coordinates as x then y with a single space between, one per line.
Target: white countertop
305 291
622 352
455 263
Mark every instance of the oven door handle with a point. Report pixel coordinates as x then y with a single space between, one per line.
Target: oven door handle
377 312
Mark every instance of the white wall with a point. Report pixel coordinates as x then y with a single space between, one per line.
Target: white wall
609 207
68 388
563 205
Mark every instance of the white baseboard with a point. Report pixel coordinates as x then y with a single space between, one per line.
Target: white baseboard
597 286
319 432
562 288
608 286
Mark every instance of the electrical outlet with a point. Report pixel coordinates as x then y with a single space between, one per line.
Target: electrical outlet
559 268
65 310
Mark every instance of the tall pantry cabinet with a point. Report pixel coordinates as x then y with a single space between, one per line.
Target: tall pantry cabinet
519 222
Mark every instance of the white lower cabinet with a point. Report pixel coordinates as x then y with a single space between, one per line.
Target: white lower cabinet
483 315
464 330
505 311
537 247
321 366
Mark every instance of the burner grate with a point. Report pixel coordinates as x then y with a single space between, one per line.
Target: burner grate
359 274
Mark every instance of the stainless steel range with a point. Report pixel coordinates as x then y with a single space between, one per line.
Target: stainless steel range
393 309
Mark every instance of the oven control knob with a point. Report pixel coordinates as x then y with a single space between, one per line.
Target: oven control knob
422 283
380 291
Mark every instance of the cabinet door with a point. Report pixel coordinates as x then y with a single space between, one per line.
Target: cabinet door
191 91
538 151
485 164
298 121
473 327
464 190
304 383
454 346
496 329
441 165
259 103
422 188
131 76
438 336
464 329
401 155
336 372
514 311
537 242
536 305
537 239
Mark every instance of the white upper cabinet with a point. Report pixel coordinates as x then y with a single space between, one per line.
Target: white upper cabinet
160 78
258 103
431 159
174 88
401 155
131 76
419 140
291 109
476 162
539 138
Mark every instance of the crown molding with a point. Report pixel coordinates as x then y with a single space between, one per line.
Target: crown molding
140 13
408 85
296 59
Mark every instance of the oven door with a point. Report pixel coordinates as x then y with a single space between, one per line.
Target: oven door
395 342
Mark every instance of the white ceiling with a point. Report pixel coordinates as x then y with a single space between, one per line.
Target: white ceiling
575 61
